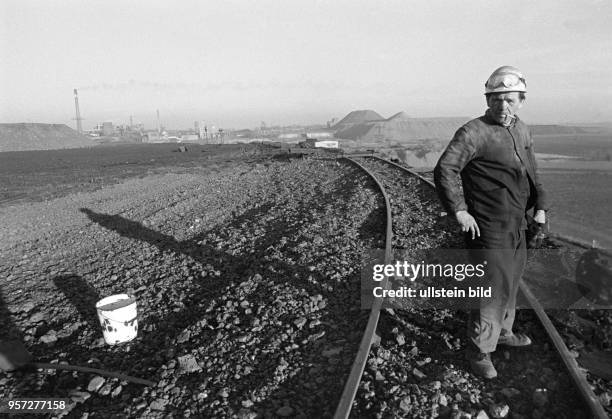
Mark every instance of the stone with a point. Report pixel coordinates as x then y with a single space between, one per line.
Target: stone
285 411
116 391
49 337
246 414
375 340
405 404
417 373
27 307
95 384
510 392
188 364
540 397
184 336
299 323
79 396
105 390
499 411
36 317
158 404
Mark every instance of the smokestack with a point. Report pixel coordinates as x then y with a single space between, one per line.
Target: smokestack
158 124
78 112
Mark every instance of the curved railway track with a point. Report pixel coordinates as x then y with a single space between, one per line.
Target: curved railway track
269 258
399 234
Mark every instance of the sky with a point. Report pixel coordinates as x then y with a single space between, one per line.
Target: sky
234 64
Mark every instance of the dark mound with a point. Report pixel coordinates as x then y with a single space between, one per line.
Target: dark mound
357 117
399 116
401 128
30 136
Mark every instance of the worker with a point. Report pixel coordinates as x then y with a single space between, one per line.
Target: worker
494 158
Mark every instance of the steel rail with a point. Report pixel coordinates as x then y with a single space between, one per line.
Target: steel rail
579 380
577 242
352 383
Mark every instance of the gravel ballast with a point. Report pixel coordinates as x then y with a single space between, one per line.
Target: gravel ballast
246 277
418 369
246 272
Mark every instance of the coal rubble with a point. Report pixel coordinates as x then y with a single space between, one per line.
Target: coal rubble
418 368
246 277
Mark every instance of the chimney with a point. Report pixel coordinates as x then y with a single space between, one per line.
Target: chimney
78 112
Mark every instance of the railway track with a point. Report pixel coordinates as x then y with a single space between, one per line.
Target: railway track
206 285
13 199
432 388
249 278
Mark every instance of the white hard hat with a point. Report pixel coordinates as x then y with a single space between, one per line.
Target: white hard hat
506 79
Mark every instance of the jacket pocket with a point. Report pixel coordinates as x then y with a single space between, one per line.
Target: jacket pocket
491 205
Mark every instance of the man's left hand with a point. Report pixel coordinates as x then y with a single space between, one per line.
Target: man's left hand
540 217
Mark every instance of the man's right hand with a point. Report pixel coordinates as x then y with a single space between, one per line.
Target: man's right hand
467 223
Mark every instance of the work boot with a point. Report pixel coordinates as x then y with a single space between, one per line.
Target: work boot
482 366
514 339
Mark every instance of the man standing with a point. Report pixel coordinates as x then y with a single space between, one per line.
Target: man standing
494 157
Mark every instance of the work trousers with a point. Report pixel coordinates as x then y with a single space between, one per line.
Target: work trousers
505 254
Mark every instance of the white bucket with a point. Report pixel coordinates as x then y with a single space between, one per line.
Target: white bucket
118 318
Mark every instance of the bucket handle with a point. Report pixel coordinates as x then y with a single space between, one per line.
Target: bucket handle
118 321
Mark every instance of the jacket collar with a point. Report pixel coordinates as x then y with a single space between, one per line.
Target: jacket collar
489 120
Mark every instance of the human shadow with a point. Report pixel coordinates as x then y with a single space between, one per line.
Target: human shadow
196 304
81 294
234 267
8 331
15 356
11 339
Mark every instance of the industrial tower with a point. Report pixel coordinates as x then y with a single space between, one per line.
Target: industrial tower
78 112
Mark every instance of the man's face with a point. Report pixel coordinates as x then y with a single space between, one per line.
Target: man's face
503 106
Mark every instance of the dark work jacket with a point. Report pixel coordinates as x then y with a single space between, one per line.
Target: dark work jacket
498 172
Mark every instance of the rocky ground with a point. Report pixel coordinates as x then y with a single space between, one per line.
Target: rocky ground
246 271
246 276
418 368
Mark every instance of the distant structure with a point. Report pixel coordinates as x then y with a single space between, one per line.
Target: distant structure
357 117
368 126
201 130
78 112
108 129
159 130
32 136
